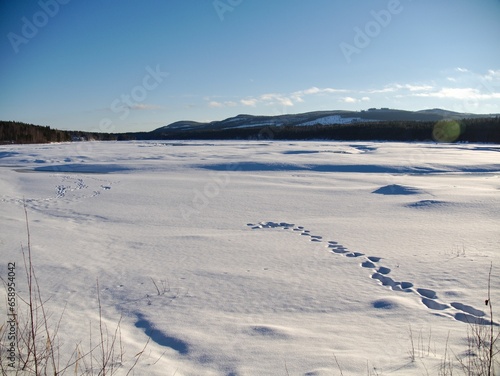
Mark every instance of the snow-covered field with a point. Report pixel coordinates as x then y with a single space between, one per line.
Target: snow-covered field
271 258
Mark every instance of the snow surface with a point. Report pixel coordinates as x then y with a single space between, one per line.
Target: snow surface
273 258
251 125
332 119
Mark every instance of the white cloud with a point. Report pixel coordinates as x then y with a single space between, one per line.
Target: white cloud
312 90
387 89
272 99
144 107
392 88
215 104
288 100
469 78
460 93
251 102
354 100
418 87
492 75
465 86
349 100
459 85
315 90
455 93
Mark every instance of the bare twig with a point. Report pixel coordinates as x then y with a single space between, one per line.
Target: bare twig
37 341
138 356
412 348
154 283
338 364
32 311
286 369
492 341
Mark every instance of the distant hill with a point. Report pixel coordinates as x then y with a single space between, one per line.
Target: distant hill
372 124
337 117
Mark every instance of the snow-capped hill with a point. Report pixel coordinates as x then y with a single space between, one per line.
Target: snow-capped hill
333 119
445 113
316 118
181 125
251 121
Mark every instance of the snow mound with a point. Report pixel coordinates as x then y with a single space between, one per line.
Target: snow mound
82 168
396 189
427 204
384 304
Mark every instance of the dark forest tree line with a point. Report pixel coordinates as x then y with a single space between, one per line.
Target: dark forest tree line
465 130
21 133
14 132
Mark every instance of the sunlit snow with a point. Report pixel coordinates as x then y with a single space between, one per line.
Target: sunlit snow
260 258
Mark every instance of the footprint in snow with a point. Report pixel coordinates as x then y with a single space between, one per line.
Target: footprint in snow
426 293
383 270
429 298
354 254
468 309
368 264
432 304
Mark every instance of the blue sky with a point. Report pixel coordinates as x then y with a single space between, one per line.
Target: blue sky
122 65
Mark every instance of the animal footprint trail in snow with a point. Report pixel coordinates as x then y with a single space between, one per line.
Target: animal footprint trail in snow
429 298
67 189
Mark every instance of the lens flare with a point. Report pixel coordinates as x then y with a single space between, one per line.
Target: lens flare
447 131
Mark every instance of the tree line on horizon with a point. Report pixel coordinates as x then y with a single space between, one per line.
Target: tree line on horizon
15 132
466 130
